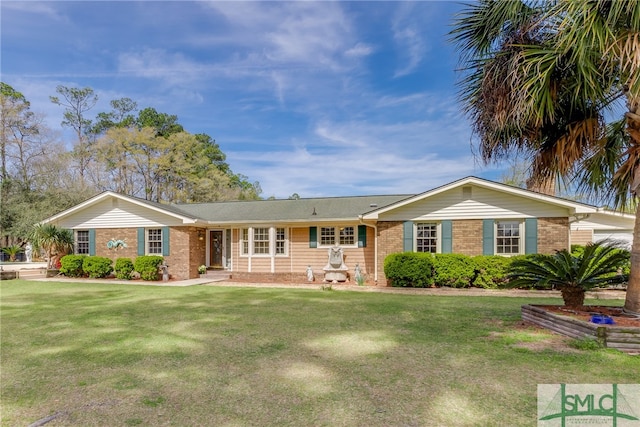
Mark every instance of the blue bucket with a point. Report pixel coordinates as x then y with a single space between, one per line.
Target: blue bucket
602 319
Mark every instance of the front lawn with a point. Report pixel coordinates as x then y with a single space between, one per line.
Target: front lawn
123 355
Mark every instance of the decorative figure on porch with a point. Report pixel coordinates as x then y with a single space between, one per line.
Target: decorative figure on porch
28 251
310 277
335 270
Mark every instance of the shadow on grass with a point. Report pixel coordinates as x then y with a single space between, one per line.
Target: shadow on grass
117 354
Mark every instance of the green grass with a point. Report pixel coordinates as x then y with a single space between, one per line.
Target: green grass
121 355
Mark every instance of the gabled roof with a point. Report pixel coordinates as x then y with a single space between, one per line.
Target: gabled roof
290 210
574 207
323 209
158 207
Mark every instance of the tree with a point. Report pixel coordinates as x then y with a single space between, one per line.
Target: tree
55 241
77 103
573 275
543 78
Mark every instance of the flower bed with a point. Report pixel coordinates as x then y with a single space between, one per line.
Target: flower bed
623 338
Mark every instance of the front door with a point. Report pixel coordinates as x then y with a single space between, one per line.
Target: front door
215 249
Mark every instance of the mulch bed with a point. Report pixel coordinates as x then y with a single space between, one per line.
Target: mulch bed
585 312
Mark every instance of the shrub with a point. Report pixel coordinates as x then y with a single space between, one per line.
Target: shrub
409 269
97 267
71 265
490 271
573 275
147 266
124 268
453 270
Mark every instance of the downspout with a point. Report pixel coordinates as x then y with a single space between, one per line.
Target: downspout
577 218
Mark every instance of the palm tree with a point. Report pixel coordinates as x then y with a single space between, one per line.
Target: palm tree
573 275
12 251
54 240
542 78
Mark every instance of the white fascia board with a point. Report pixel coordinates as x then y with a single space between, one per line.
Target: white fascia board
110 194
574 207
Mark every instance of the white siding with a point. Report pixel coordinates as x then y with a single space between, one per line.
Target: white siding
482 204
598 221
115 213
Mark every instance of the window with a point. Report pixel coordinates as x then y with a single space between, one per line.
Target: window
280 241
327 236
263 241
244 242
427 238
508 237
82 242
330 236
347 236
154 241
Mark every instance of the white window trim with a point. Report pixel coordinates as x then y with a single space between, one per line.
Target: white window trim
336 234
272 242
438 235
76 252
521 236
147 241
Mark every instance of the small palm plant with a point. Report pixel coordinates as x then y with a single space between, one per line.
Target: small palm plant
599 265
54 240
12 251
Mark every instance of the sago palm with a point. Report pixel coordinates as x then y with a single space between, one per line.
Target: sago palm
541 80
599 265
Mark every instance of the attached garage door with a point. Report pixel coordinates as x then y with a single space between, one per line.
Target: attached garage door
619 235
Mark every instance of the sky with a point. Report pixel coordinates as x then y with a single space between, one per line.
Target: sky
314 98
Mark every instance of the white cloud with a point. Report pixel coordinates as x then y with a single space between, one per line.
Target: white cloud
408 34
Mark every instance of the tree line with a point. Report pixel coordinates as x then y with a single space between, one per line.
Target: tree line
138 152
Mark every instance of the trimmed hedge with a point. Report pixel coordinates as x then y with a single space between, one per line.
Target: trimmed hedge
97 267
71 265
454 270
124 268
409 269
148 265
490 271
415 269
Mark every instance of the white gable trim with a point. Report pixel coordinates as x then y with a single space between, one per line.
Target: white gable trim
111 195
574 207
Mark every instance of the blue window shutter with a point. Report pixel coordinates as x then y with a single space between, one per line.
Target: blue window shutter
446 238
141 244
407 236
92 241
531 235
165 241
362 236
487 236
313 237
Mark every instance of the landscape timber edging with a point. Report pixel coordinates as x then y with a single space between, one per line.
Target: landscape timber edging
626 339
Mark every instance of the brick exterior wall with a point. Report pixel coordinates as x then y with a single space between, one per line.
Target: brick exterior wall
389 241
129 235
553 234
186 251
467 237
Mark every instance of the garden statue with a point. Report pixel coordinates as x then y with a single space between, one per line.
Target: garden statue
28 252
335 270
310 277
